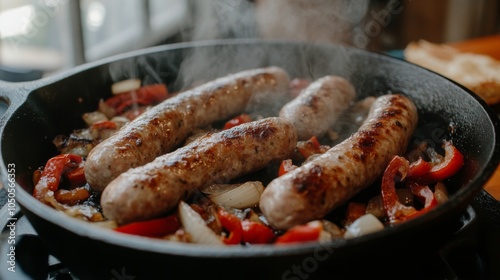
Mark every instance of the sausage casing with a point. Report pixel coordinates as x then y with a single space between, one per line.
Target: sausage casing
155 188
328 181
319 105
166 125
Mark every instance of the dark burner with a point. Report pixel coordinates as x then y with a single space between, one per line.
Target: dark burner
473 252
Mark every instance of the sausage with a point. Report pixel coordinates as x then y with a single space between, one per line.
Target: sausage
153 189
165 126
319 105
328 181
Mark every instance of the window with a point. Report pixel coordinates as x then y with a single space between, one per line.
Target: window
52 35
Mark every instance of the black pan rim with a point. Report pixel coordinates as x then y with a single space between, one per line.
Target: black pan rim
144 244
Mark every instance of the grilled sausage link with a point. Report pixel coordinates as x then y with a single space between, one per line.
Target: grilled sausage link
155 188
166 125
328 181
319 106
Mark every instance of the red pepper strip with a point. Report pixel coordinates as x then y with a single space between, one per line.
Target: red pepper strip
145 95
233 225
103 125
395 210
52 172
418 169
301 233
152 228
309 147
243 118
453 161
76 177
256 233
286 166
425 193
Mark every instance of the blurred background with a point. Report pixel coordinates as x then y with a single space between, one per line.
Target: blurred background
43 37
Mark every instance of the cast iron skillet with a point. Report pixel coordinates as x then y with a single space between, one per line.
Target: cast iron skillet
40 110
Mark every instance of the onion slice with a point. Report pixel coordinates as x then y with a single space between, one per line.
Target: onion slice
363 225
244 196
125 85
92 117
195 225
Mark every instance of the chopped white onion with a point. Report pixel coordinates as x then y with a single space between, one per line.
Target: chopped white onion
244 196
125 85
363 225
93 117
195 225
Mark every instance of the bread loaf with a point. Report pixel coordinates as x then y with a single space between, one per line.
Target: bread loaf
477 72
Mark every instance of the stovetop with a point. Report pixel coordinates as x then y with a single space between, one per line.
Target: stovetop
473 252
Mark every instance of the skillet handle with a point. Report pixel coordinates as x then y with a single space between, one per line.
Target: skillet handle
13 95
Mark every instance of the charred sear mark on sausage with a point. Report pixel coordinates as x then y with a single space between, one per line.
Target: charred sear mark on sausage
390 113
133 137
310 181
365 145
313 102
263 133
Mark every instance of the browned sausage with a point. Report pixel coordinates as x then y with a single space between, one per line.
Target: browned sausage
155 188
166 125
328 181
319 105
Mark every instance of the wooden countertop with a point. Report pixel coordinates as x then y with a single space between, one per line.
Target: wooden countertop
488 46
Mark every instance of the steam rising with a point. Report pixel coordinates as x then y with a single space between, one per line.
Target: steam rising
314 20
334 21
303 20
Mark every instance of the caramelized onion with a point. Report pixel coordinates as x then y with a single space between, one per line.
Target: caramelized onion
195 225
240 197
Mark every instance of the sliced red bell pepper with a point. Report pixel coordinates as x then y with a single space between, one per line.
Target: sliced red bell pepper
145 95
152 228
453 161
395 171
76 177
52 172
424 193
286 166
301 233
418 169
233 225
256 233
243 118
443 169
309 147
